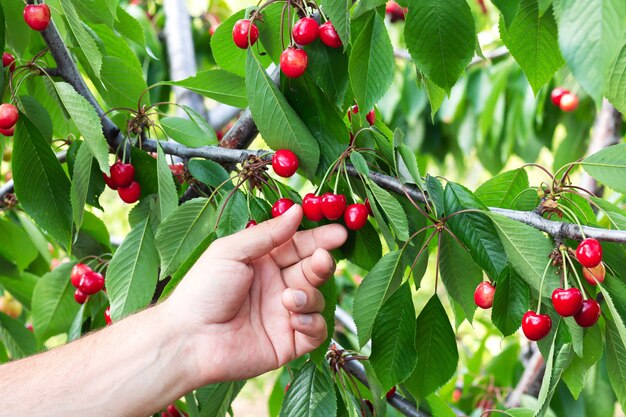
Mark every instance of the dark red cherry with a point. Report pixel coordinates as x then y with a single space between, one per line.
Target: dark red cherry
8 61
305 31
556 95
251 223
333 205
8 115
369 207
281 206
79 296
7 132
395 11
536 326
567 302
312 207
329 36
109 181
77 273
91 282
107 316
122 174
589 253
284 163
293 62
131 193
483 295
240 33
355 216
390 393
588 314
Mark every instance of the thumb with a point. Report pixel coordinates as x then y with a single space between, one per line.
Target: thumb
254 242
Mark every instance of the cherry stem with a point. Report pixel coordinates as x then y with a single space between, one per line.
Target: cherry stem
565 283
543 278
438 258
566 255
593 203
573 217
541 168
345 170
419 254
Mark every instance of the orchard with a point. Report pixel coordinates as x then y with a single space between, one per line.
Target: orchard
473 150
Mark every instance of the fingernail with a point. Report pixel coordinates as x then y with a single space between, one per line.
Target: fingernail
306 319
299 297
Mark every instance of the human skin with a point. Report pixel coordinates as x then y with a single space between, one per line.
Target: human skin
249 305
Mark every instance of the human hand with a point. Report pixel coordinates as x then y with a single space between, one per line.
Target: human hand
250 304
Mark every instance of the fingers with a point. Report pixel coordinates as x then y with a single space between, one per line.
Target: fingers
310 332
314 270
306 242
254 242
303 300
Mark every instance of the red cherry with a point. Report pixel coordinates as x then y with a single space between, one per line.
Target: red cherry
333 205
77 273
293 62
390 393
30 327
588 314
369 207
173 411
109 181
122 174
569 102
305 31
329 35
178 171
37 16
355 216
395 11
8 115
91 282
312 207
240 33
589 253
131 193
595 274
80 297
281 206
251 223
107 316
556 95
567 302
7 132
483 295
8 60
284 163
371 117
536 326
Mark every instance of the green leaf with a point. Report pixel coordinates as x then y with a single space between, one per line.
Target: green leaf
459 274
329 292
372 63
145 171
328 67
98 11
378 285
124 83
278 123
503 189
511 301
437 355
85 41
18 34
608 166
80 184
182 231
54 307
18 340
187 132
87 121
392 209
270 29
436 195
129 27
527 250
393 339
532 40
359 163
436 95
16 246
616 89
168 198
217 84
311 394
232 214
209 172
408 168
475 230
616 361
618 310
363 248
338 13
21 286
576 373
41 185
590 35
508 8
132 275
437 407
441 37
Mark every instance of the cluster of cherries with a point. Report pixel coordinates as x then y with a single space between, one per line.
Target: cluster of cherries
568 302
87 282
8 119
316 207
564 99
294 59
122 179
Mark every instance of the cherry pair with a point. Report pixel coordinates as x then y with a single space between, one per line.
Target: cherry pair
122 179
569 302
87 282
564 99
370 116
589 255
8 118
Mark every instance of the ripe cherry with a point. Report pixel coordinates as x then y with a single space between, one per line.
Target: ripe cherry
251 223
394 11
312 207
483 295
369 207
77 273
355 216
173 411
79 296
305 31
178 171
589 253
353 110
567 302
556 95
569 102
37 16
122 174
107 316
390 393
131 193
91 282
109 181
536 326
371 117
8 115
7 132
595 274
8 60
284 163
281 206
329 36
293 62
588 314
240 33
333 205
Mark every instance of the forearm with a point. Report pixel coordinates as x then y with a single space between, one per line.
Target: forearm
133 368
